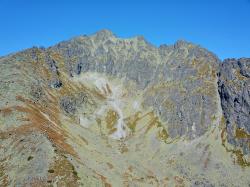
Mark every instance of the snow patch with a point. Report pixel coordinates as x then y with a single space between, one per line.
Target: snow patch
193 127
120 126
113 94
136 105
85 122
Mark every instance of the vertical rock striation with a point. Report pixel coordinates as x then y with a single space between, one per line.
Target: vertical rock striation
234 89
104 111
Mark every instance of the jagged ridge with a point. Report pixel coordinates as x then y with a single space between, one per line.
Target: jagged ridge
123 112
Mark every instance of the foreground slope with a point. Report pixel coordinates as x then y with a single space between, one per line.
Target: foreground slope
100 110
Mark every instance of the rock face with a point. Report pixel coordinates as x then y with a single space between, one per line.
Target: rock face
104 111
234 88
178 81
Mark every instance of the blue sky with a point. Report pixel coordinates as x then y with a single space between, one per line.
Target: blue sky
222 26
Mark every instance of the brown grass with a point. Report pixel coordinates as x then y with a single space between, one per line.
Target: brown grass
36 120
6 111
65 170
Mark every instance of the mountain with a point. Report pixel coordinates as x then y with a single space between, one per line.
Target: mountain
104 111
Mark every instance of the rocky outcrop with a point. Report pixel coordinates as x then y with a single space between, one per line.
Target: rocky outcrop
178 81
104 111
234 89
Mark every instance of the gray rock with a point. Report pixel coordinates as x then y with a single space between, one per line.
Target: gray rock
56 83
234 89
146 65
177 82
68 104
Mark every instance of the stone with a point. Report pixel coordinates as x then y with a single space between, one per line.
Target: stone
100 110
234 89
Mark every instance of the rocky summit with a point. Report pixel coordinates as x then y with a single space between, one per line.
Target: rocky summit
99 110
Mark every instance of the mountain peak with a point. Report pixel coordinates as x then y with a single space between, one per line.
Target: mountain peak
81 109
180 43
104 33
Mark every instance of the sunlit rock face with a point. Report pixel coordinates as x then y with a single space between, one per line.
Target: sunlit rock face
234 88
104 111
179 82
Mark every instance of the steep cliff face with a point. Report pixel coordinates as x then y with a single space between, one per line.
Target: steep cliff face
178 81
234 88
101 110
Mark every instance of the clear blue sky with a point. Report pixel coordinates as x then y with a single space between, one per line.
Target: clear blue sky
222 26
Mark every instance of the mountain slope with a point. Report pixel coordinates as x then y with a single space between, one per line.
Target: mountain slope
103 111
